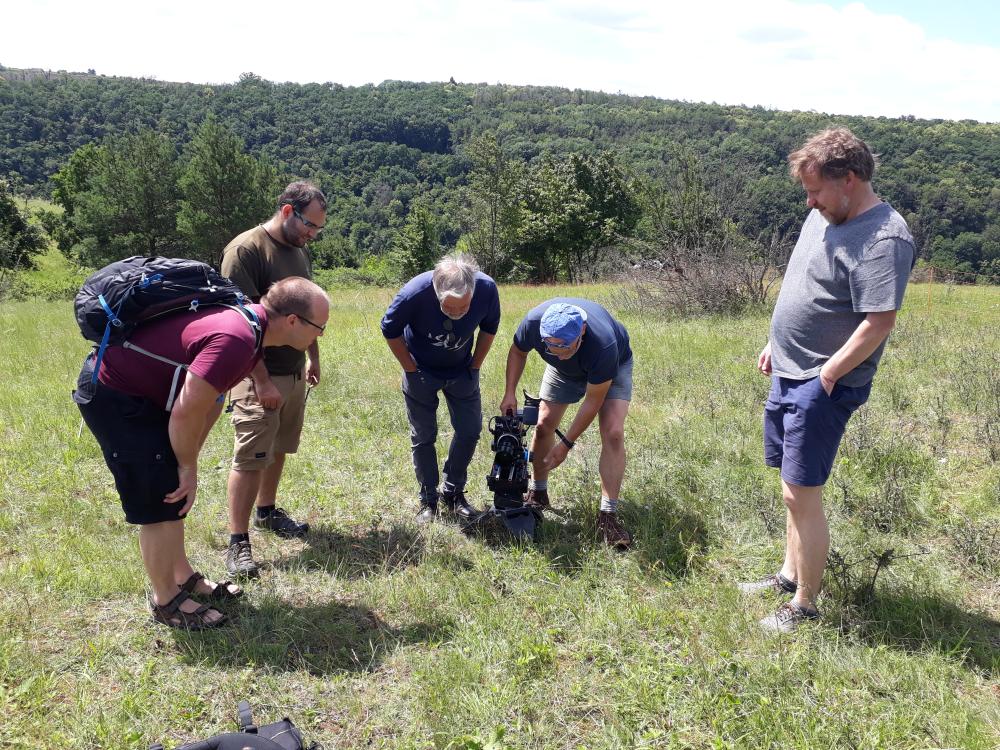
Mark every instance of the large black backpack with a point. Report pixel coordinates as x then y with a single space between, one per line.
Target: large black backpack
124 294
281 735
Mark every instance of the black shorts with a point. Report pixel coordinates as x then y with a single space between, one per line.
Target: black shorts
133 434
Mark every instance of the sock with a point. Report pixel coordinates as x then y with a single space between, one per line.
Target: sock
538 484
609 505
234 538
264 511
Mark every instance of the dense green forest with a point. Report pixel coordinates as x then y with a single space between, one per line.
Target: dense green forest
540 183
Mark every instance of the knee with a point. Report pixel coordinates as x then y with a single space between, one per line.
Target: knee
467 436
423 436
614 438
798 503
789 500
547 424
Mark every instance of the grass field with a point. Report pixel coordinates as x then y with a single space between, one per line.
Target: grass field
374 633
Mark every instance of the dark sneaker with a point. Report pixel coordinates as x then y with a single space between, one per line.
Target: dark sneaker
772 584
239 560
281 524
611 531
456 504
427 513
537 498
788 617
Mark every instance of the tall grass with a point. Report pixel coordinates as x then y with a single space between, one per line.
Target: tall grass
374 633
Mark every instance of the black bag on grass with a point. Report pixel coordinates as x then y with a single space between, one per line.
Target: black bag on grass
281 735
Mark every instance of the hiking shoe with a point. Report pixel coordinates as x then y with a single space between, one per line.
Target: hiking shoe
427 513
239 560
456 504
772 584
281 524
611 531
788 617
537 498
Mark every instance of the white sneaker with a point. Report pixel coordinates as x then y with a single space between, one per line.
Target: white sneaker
788 617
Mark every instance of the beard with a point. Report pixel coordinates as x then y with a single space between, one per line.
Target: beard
290 236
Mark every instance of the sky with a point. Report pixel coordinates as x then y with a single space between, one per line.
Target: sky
880 57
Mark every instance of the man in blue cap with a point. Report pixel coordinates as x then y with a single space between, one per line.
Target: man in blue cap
587 355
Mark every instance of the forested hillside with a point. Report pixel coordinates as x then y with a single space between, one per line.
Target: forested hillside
538 181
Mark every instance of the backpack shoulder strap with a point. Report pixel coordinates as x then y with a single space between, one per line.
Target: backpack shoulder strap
178 368
246 718
253 320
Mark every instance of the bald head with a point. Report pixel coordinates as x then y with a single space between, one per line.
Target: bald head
294 296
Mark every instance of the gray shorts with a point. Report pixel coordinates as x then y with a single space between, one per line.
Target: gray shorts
560 390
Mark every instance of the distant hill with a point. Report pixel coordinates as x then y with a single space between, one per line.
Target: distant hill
377 148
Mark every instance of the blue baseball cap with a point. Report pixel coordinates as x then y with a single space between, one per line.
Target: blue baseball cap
563 321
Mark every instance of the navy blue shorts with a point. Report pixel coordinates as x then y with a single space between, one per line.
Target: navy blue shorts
803 427
133 434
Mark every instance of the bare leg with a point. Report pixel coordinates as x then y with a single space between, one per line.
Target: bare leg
242 490
612 464
790 567
267 493
162 547
549 416
811 541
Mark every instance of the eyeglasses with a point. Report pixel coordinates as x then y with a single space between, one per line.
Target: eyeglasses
304 319
306 223
553 348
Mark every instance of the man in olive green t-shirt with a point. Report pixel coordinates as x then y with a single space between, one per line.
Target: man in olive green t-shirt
269 406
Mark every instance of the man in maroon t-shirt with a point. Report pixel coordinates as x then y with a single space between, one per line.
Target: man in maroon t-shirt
154 403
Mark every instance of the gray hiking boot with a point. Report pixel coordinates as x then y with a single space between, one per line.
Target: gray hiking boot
788 617
240 562
281 524
775 584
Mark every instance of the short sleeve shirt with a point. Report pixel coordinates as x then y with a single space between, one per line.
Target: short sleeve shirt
605 346
441 346
838 273
255 260
216 343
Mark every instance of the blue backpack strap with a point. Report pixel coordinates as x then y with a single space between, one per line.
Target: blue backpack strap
113 320
252 319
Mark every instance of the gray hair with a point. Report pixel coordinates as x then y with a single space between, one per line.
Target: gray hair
454 276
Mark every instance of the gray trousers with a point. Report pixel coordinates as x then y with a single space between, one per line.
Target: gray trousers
420 390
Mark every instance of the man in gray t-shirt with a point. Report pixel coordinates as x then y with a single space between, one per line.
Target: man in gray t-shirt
838 302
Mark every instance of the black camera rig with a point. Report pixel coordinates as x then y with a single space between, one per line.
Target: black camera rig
509 475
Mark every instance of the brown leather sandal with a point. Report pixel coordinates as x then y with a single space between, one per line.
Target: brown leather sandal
171 615
221 593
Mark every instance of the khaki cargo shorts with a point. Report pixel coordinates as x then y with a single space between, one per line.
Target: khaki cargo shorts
260 432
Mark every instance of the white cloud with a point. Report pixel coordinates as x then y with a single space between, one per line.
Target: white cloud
776 53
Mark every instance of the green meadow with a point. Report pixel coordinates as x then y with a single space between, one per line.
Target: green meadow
372 632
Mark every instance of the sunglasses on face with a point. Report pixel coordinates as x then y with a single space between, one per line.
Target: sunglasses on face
552 348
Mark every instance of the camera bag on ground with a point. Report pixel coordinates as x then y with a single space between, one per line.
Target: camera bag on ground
124 294
281 735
